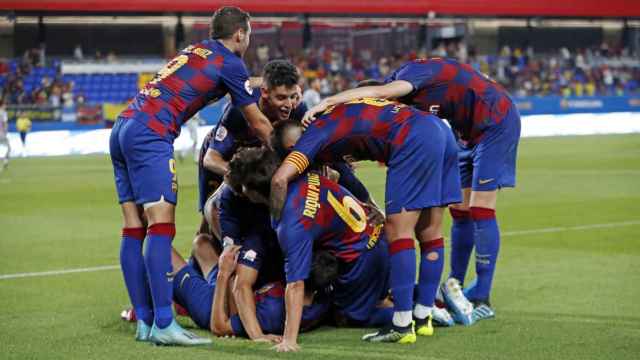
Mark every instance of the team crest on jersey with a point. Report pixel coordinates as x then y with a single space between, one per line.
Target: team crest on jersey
247 86
221 133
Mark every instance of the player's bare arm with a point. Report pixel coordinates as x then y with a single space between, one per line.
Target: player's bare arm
394 89
285 173
258 122
243 295
214 162
294 302
220 320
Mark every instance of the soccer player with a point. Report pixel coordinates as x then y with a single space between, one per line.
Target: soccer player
487 124
4 131
144 168
206 297
422 179
277 98
320 214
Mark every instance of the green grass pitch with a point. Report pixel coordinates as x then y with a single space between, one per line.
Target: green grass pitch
567 289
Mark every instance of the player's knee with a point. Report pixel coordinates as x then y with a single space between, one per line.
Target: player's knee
458 207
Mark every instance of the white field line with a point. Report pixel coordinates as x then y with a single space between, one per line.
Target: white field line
570 228
505 233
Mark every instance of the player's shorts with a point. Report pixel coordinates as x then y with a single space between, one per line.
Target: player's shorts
261 252
358 291
491 164
143 164
195 294
422 170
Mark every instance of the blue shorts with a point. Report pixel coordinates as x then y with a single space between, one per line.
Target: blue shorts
357 292
491 164
143 164
195 294
261 252
422 171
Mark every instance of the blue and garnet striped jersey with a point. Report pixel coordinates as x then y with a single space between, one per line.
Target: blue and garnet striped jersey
467 98
363 129
201 73
321 215
233 131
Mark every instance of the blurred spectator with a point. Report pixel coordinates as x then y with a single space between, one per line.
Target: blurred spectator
77 53
4 131
23 124
311 96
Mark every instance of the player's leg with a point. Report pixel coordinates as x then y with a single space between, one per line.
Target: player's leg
133 234
204 252
429 233
400 227
152 169
494 168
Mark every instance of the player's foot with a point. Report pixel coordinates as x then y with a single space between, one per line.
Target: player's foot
470 291
174 334
460 307
142 331
441 317
482 310
392 333
424 327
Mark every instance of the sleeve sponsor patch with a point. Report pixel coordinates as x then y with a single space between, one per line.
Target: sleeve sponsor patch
248 88
221 133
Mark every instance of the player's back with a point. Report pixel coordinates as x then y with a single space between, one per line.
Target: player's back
455 91
195 77
327 217
363 129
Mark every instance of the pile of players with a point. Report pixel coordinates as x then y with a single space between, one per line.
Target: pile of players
290 237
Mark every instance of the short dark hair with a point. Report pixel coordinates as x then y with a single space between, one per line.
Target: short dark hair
227 20
324 271
279 129
280 72
253 168
369 82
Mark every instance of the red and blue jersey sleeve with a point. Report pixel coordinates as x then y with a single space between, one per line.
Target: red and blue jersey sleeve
296 234
310 143
418 72
235 76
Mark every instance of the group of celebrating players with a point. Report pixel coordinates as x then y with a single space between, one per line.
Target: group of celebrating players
290 237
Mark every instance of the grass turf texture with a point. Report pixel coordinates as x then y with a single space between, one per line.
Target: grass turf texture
562 294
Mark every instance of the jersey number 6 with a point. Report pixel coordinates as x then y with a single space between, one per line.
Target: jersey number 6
349 211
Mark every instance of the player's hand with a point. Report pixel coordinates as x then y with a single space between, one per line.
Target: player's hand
310 115
274 339
228 259
286 346
375 215
330 174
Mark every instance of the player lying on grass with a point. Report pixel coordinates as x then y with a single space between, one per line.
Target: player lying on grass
486 123
208 301
422 179
141 148
320 215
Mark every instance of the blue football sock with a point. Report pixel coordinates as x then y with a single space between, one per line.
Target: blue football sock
462 242
487 241
157 258
133 270
431 264
403 273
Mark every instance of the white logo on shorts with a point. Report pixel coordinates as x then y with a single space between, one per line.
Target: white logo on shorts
250 255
